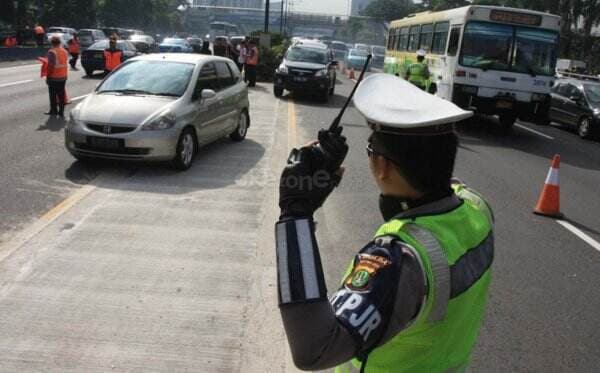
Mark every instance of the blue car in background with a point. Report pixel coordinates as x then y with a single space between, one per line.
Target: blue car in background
356 59
175 45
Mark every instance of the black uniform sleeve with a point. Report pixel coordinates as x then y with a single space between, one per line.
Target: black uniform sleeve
378 299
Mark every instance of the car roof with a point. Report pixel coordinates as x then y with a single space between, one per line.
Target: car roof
180 57
311 44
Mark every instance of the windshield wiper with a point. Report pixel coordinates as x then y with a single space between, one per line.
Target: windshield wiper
168 94
127 91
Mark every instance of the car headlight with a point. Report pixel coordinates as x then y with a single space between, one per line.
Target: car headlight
321 73
597 112
162 122
74 117
282 69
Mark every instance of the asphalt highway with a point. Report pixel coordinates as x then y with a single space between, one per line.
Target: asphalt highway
35 171
137 267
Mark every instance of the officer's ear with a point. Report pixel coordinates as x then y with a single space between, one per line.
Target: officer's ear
382 167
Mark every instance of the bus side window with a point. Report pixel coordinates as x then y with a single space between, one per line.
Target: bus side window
403 39
391 38
453 41
413 38
426 37
440 37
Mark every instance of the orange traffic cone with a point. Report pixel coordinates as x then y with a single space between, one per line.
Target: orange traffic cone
549 203
351 74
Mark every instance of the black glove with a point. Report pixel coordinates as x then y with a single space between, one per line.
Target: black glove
311 175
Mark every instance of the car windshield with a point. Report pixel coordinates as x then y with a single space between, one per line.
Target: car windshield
161 78
378 50
491 46
174 41
592 92
339 46
297 54
358 53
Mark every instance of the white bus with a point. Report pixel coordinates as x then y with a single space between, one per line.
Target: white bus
493 60
222 29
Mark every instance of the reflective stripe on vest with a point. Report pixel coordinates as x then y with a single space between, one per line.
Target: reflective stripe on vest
439 266
112 59
60 68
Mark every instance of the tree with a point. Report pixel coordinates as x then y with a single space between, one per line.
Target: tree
388 10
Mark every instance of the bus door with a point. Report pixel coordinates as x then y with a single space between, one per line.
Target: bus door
449 62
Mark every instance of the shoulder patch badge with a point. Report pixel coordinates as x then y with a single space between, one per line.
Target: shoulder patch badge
365 270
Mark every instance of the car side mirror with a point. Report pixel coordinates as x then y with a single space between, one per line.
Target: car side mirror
208 94
575 98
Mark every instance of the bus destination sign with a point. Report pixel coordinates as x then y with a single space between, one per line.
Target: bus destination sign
516 18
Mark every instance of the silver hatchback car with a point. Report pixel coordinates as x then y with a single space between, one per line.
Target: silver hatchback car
160 107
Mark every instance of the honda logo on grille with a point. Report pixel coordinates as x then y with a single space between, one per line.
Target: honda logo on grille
106 130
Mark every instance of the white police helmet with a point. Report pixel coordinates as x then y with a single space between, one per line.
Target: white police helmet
421 53
393 105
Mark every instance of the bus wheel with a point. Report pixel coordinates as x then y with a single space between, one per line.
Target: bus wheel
507 121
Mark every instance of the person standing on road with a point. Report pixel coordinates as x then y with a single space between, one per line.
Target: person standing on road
251 63
413 298
56 77
74 50
243 51
418 72
39 35
206 48
113 56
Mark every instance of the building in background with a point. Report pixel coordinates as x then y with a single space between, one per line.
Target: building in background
251 4
358 6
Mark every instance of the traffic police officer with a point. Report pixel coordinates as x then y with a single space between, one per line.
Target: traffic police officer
113 56
413 298
418 72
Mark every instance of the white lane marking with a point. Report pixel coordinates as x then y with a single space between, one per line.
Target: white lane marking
534 131
576 231
80 97
20 67
15 83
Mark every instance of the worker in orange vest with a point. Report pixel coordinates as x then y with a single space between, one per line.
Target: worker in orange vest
56 79
39 34
251 63
74 50
113 56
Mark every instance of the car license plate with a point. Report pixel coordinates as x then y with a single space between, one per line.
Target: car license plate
300 79
503 104
105 143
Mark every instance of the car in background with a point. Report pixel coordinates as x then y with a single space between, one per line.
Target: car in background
175 45
92 59
363 47
88 36
307 67
378 53
576 103
236 40
196 43
144 43
120 32
65 34
340 50
356 59
160 107
6 31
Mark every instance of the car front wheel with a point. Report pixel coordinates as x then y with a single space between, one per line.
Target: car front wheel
584 128
242 128
186 150
278 91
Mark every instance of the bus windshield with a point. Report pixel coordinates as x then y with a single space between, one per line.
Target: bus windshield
496 46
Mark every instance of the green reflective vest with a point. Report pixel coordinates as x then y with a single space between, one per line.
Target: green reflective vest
456 250
418 74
